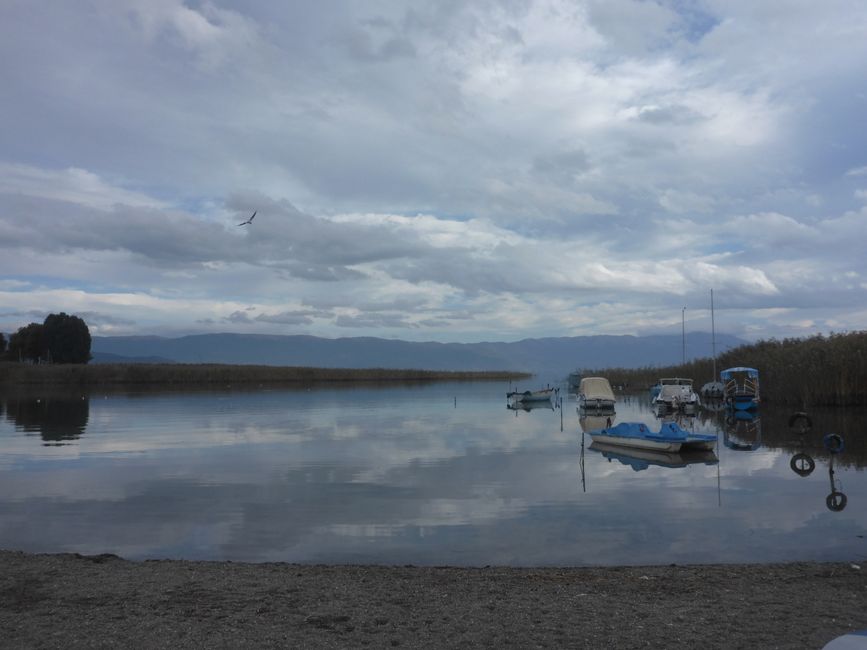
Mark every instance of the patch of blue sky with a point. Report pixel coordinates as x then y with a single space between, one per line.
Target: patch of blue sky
697 20
730 245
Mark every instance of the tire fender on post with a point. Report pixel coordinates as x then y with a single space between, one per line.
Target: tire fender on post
833 443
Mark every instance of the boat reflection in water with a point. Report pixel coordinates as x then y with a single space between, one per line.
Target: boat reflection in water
641 459
713 404
591 421
516 406
683 420
742 431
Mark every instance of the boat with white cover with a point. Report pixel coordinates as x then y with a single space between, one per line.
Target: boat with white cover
594 393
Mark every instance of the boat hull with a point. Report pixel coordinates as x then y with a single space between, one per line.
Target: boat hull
702 444
669 438
637 443
529 396
595 404
640 459
744 403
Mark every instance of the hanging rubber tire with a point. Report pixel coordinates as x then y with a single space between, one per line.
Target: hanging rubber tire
836 501
802 464
800 422
833 443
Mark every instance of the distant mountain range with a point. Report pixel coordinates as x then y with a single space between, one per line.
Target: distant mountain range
548 355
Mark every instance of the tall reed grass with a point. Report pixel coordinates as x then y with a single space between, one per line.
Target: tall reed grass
815 371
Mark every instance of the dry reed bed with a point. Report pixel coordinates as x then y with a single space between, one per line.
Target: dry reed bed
816 371
83 375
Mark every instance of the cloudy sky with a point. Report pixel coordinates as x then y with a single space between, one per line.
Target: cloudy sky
449 171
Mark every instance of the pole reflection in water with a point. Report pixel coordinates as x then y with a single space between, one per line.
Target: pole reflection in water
803 464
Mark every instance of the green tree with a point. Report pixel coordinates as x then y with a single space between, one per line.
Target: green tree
27 344
2 345
67 338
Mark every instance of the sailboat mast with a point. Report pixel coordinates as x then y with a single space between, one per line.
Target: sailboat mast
713 334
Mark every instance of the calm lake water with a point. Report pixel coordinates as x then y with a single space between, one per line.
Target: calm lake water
427 475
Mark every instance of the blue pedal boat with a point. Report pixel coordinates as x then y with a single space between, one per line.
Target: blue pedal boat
670 437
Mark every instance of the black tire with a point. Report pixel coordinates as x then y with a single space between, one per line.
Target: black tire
833 443
800 422
836 501
802 464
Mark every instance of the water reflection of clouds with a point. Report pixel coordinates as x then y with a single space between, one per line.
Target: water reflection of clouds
269 480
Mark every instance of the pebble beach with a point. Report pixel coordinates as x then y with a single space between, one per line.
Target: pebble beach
75 601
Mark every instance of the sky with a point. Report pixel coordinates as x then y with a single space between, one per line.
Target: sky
454 171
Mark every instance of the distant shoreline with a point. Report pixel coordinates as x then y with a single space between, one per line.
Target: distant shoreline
227 374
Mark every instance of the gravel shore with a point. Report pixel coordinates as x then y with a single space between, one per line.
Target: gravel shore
63 601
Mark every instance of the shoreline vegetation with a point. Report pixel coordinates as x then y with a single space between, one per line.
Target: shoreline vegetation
816 371
226 374
802 373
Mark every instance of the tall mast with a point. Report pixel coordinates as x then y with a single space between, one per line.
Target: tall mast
713 334
683 332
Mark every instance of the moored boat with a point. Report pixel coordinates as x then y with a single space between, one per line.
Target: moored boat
670 437
676 393
713 390
741 387
542 395
594 393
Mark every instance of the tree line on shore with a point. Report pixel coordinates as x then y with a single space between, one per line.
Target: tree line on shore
60 338
814 371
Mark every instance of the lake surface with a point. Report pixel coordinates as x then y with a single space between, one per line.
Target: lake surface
427 475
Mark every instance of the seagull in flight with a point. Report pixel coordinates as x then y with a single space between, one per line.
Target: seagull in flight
248 221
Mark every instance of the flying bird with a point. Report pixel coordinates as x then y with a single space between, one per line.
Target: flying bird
248 221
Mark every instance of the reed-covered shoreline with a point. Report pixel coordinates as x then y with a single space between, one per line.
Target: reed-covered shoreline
223 374
815 371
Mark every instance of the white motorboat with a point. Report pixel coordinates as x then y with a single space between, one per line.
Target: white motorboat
676 393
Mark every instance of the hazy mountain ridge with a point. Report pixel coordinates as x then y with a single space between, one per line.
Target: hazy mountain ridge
533 355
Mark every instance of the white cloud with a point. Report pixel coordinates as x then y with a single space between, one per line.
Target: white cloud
73 185
684 202
496 168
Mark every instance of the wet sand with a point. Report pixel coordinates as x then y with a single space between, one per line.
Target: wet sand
62 601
